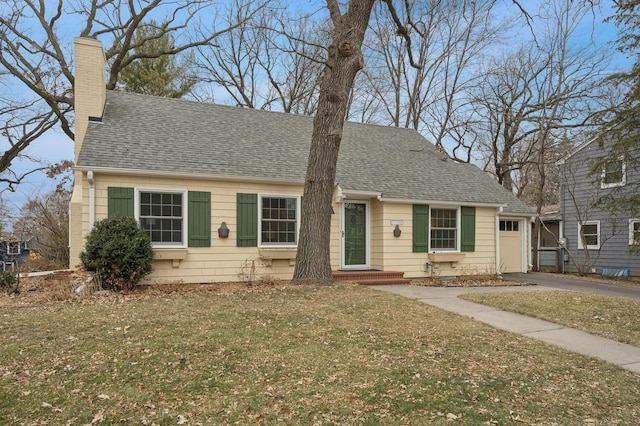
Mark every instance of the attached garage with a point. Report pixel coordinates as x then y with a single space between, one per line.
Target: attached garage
512 245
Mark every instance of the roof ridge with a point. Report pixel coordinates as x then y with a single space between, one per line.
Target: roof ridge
252 110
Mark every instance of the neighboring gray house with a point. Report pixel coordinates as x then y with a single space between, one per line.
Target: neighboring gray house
597 241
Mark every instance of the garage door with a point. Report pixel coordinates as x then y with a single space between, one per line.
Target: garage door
510 246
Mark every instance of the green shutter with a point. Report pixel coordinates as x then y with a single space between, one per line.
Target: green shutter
468 229
120 201
420 228
247 217
199 221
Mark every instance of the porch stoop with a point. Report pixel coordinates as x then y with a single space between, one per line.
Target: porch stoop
371 277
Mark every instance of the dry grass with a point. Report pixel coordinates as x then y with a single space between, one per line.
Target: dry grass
294 355
611 317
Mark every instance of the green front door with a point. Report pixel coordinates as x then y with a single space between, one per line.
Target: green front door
355 235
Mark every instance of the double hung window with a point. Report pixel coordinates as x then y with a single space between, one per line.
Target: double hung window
162 215
634 232
444 229
589 235
279 220
613 174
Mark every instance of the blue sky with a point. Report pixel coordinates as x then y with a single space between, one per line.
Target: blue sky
56 146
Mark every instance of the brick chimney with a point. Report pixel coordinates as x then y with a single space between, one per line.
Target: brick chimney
89 96
89 89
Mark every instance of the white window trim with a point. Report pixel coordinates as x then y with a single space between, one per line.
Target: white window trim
185 212
458 229
631 223
622 182
298 211
16 248
588 247
513 222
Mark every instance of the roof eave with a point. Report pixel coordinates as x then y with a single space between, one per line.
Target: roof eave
183 175
439 202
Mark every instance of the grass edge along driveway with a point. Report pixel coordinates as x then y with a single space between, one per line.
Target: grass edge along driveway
615 318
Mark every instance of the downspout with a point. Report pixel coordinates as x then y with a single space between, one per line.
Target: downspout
497 227
92 199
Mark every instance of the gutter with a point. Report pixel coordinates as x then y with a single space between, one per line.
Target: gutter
439 203
169 174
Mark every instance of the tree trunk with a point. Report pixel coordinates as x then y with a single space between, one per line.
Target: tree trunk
313 261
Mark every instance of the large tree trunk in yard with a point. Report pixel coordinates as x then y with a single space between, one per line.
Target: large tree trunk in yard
313 263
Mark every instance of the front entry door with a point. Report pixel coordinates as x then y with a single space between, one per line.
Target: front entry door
355 239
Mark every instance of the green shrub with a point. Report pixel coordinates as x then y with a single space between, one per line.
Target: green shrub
7 280
119 251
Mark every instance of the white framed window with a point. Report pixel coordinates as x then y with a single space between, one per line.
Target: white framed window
509 225
634 232
443 232
614 174
589 235
13 248
278 220
162 213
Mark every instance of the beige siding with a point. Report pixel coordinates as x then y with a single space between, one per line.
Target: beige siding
335 236
398 252
223 261
377 234
483 259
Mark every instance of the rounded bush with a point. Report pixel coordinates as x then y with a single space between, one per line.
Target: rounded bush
119 251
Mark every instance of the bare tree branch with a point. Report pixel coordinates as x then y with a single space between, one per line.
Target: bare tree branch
36 57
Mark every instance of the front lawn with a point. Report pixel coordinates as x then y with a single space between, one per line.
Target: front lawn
615 318
293 355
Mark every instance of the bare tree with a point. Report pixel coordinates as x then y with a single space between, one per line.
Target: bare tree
507 106
431 98
271 62
540 95
581 205
622 128
344 60
46 220
349 21
35 56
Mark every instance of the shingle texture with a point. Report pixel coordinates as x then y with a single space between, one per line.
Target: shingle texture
146 133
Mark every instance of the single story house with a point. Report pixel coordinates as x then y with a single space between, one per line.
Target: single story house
219 189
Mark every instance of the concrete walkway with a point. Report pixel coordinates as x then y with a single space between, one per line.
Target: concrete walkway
621 354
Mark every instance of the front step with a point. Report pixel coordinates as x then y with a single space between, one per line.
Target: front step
371 277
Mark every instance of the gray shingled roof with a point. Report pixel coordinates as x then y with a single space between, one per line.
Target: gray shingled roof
153 134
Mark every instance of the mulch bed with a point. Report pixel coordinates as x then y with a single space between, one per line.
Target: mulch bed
62 287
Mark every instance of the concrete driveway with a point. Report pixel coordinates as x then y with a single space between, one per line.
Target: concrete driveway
571 282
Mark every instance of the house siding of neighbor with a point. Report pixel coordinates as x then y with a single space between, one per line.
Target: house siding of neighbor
607 236
220 190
